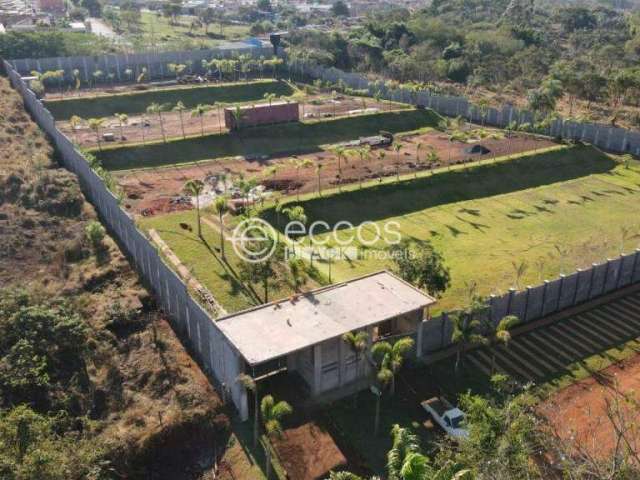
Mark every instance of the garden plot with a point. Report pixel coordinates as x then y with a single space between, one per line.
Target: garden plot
155 190
141 127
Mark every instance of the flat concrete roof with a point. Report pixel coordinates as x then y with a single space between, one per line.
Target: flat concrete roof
275 329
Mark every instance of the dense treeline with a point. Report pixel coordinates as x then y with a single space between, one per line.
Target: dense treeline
53 43
588 53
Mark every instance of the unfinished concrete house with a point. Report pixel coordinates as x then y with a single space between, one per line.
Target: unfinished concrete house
303 335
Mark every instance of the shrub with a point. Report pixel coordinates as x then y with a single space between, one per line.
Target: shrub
95 234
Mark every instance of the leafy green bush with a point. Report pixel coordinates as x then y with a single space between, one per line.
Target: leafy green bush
95 234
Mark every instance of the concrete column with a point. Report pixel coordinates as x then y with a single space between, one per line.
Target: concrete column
419 339
317 369
342 367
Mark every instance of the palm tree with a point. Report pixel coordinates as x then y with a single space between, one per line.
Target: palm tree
75 121
363 153
358 342
269 97
195 188
221 206
404 444
199 112
432 159
465 326
180 108
341 154
499 334
95 124
391 358
123 119
296 214
296 268
300 163
272 414
157 109
238 116
220 106
396 148
251 385
381 156
418 163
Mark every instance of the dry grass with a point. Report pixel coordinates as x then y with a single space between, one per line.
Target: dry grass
149 403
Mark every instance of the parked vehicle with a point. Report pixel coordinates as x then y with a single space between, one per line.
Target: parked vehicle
450 418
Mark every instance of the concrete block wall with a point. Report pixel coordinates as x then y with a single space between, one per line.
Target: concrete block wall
214 351
535 302
155 63
613 139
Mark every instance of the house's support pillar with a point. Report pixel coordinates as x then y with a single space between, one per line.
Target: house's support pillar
317 369
419 339
342 367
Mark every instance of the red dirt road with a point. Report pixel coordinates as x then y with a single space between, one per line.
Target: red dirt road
578 413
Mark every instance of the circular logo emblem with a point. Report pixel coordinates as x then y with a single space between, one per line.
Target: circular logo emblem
253 240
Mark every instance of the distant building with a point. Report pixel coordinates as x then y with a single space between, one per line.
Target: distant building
51 6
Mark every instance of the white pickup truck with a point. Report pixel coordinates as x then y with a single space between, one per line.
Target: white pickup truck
450 418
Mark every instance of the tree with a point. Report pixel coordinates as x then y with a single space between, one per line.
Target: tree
75 121
251 385
297 271
207 17
221 206
176 68
300 163
396 148
123 119
340 9
358 342
238 116
194 188
269 97
390 359
363 153
157 109
95 234
341 154
272 415
466 326
422 265
499 335
296 214
199 112
180 108
96 124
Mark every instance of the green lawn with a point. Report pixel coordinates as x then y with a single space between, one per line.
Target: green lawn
554 211
205 261
285 138
137 102
154 31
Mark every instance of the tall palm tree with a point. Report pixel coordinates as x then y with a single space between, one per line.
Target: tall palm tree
199 112
465 327
95 124
251 385
341 154
499 335
180 108
157 109
123 119
363 153
300 163
195 188
220 106
269 97
221 206
418 163
272 415
404 443
432 159
75 121
358 342
390 358
381 156
396 148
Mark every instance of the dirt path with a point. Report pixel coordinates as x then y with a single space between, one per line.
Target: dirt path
578 413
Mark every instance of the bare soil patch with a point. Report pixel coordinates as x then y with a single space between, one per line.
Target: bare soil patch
146 128
578 413
154 191
308 452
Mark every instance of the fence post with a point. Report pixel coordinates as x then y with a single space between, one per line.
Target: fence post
562 276
526 304
593 273
606 277
635 265
512 292
578 280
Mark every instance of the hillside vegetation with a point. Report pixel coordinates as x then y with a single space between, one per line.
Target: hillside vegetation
93 381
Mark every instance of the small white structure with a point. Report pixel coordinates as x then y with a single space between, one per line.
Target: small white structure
304 334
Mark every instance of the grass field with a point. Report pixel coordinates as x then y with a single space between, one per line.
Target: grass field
205 261
137 102
302 137
154 31
554 211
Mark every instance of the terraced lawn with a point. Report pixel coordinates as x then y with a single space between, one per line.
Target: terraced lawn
554 212
300 137
137 102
